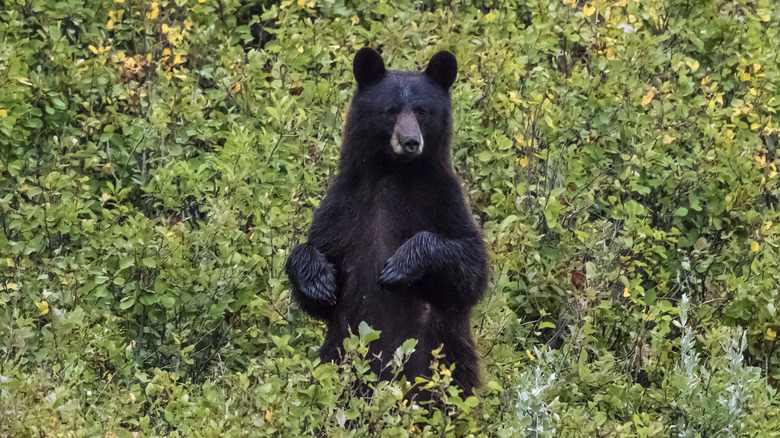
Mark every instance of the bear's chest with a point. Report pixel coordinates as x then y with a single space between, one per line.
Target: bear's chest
394 214
380 223
376 217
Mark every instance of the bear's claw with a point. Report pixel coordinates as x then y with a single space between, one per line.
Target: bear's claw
393 274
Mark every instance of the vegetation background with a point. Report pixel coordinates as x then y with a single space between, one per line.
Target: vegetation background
159 159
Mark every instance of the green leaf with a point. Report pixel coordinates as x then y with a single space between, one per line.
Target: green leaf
127 302
167 301
367 334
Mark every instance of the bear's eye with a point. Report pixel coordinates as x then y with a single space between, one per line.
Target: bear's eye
393 111
420 112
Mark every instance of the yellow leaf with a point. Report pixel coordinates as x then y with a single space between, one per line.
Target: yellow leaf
43 306
267 415
754 246
755 126
132 397
93 49
766 17
524 162
25 81
756 67
668 139
767 226
301 3
620 4
588 9
744 77
692 64
490 16
201 1
3 113
647 98
9 262
771 334
445 372
165 28
310 5
12 286
626 293
110 24
119 1
531 356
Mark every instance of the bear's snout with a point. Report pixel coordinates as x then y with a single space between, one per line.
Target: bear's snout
410 145
407 140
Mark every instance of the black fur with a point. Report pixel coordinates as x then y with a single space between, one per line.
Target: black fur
393 243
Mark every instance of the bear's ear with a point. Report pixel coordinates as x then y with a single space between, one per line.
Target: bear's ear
368 67
443 69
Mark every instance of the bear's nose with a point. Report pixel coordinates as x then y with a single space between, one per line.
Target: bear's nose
410 145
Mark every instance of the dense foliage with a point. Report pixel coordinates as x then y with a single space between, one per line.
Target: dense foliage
159 159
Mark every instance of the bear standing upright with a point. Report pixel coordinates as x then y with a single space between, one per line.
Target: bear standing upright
392 243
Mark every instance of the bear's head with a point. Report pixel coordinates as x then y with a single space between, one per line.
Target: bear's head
401 115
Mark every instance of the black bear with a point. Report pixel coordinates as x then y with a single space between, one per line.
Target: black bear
393 243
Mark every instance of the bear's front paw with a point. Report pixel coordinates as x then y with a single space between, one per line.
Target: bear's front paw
312 277
320 286
398 274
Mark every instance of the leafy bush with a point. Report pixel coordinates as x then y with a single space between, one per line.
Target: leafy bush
159 159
